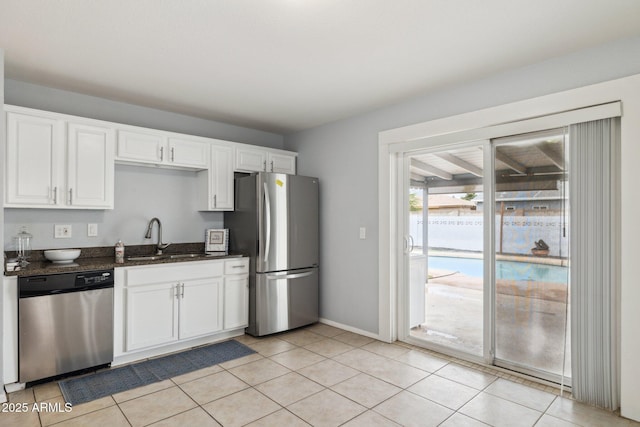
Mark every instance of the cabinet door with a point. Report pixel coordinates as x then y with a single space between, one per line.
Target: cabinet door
200 307
35 161
152 315
90 166
221 178
141 147
184 152
236 302
251 160
282 163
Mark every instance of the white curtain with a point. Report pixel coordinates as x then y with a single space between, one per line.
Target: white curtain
594 261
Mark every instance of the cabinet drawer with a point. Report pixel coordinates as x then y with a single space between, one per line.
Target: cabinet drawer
236 266
177 272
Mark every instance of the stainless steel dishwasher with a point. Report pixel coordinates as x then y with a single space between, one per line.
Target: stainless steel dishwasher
65 323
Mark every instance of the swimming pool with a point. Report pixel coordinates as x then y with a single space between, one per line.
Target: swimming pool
506 270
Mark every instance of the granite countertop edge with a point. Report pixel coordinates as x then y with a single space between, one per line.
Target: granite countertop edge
104 259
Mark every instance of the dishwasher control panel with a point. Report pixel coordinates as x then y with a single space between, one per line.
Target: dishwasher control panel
94 278
46 284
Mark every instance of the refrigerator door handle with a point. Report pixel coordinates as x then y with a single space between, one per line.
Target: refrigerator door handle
267 242
290 276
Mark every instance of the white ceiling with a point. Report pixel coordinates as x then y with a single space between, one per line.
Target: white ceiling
287 65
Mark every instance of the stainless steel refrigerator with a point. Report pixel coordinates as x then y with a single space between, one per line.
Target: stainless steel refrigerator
276 222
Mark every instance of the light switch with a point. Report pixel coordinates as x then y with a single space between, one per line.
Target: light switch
363 232
92 230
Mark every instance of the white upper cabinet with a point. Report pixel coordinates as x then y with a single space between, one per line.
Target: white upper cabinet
67 162
56 163
155 148
256 159
281 163
217 182
90 177
35 158
187 153
251 159
141 147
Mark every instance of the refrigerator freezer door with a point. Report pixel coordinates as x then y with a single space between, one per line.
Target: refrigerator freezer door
285 300
288 222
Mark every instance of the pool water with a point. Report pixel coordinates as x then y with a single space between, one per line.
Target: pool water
506 270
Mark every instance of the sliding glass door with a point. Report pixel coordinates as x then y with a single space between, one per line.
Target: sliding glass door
447 287
532 253
488 252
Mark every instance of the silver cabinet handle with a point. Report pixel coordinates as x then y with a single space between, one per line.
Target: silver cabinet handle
271 165
264 166
215 201
55 195
178 291
237 266
411 244
71 196
182 293
161 154
267 241
172 155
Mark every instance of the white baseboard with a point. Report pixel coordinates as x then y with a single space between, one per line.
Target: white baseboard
10 388
350 329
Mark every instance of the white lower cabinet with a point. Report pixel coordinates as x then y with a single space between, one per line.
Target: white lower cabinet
236 293
236 302
197 300
162 305
152 315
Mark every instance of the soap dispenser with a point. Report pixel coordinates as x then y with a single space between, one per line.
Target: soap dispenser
119 252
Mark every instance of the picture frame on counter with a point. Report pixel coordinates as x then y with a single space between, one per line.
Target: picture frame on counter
216 240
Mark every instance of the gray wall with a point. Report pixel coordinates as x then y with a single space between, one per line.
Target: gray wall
344 155
140 193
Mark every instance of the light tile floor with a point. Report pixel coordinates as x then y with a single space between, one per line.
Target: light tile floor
322 376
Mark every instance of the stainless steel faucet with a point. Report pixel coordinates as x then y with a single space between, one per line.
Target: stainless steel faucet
159 246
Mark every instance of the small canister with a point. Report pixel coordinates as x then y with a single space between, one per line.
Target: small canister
119 252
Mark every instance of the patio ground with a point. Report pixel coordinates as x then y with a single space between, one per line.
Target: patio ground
530 318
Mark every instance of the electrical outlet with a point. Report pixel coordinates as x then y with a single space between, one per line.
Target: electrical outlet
363 232
62 231
92 230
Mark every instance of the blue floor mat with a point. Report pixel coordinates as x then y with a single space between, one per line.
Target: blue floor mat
105 383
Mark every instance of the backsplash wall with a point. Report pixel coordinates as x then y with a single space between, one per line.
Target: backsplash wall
141 193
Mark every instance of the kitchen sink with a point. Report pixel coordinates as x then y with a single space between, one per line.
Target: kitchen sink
179 256
146 258
185 256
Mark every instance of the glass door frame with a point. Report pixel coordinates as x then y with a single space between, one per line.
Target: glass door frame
403 254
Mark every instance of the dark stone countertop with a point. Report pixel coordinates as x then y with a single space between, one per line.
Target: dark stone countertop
102 258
